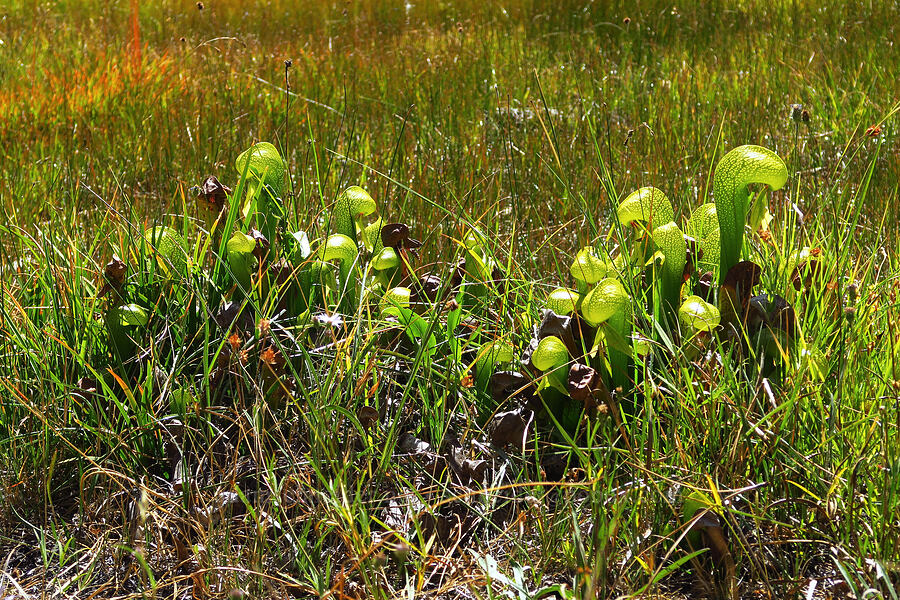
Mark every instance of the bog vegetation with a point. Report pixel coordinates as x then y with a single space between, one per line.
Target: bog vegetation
429 301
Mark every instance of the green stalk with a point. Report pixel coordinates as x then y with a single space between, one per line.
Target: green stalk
563 301
341 248
703 226
386 264
738 169
609 303
352 205
647 204
267 171
651 206
550 356
479 267
587 269
669 239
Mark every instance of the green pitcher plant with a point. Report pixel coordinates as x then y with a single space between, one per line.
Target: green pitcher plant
611 288
620 301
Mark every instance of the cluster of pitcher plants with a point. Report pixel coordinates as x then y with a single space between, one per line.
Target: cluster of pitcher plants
655 283
657 288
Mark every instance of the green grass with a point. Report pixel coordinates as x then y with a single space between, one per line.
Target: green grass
530 120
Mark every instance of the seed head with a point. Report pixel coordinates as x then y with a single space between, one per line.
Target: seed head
234 340
269 356
873 131
804 116
626 21
265 327
796 112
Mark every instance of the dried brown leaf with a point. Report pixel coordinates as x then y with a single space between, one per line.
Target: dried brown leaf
113 275
368 417
408 443
396 235
736 290
508 428
213 194
261 249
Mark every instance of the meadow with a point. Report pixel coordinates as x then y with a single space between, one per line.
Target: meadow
218 379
